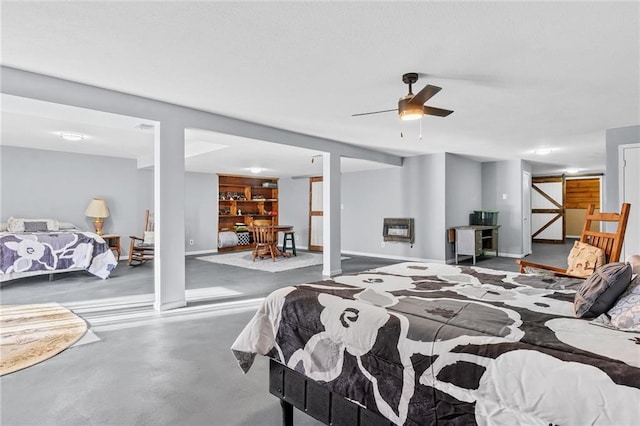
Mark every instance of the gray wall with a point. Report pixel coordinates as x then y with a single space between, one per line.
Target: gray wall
59 185
463 193
367 197
438 190
293 204
416 190
500 179
614 138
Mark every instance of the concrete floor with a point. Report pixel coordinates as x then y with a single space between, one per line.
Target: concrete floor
164 369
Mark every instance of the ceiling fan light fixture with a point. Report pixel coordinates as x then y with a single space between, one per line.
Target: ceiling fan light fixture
408 111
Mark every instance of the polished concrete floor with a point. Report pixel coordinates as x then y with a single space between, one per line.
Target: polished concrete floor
163 369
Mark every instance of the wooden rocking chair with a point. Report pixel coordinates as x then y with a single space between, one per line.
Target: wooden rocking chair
609 242
142 249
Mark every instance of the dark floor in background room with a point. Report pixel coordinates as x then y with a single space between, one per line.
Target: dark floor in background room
165 370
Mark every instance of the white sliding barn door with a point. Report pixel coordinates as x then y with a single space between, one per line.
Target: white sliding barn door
629 166
547 210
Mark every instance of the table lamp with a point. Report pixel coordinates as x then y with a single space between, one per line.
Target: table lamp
98 210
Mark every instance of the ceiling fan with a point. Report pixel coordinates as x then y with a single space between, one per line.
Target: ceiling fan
412 107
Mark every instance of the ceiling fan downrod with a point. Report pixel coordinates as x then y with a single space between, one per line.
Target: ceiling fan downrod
410 78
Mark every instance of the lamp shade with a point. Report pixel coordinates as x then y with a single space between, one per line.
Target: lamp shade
97 208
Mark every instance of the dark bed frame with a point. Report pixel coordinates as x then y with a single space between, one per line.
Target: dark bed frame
316 400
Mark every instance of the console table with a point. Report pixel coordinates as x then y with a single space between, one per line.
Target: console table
476 240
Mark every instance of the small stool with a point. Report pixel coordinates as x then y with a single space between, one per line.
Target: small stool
289 236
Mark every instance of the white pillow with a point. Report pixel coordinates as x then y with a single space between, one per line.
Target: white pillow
149 237
66 226
625 314
634 261
16 224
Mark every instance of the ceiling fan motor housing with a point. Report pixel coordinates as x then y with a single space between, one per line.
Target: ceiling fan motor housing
409 111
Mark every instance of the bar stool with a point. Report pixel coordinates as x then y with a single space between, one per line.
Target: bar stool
289 236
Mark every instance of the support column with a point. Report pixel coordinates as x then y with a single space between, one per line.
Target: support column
168 183
331 215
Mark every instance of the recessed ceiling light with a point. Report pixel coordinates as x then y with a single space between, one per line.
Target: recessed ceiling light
255 170
573 170
543 151
73 137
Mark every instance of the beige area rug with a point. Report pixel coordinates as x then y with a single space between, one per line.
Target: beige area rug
243 259
30 334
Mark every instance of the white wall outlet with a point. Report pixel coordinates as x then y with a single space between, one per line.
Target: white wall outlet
297 237
382 244
341 206
504 196
191 242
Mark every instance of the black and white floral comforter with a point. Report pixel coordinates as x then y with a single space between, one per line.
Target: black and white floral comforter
444 344
54 251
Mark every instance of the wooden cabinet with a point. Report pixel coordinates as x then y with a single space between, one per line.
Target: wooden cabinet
241 200
476 240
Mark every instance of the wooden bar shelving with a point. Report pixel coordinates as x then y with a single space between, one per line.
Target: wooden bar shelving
241 199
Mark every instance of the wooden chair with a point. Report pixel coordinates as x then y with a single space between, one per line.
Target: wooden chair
142 249
264 237
610 242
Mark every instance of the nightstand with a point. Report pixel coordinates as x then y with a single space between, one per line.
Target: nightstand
114 243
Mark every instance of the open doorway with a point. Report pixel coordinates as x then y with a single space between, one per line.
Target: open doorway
579 193
315 213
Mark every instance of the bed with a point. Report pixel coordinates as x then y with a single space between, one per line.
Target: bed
24 254
425 344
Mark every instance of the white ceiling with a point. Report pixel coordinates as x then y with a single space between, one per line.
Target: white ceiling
519 75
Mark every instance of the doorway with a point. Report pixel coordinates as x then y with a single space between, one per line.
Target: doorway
580 192
315 213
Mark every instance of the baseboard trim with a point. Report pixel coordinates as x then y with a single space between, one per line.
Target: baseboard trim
170 305
210 251
467 257
393 257
333 273
512 255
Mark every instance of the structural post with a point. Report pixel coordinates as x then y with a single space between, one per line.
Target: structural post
168 186
331 215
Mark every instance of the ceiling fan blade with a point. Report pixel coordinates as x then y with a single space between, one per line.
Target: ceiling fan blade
374 112
425 94
436 111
